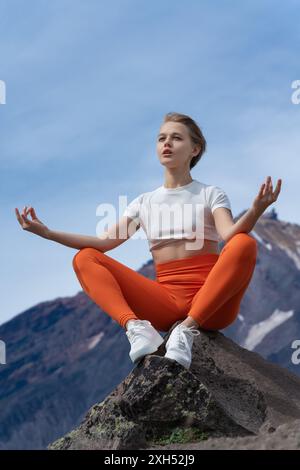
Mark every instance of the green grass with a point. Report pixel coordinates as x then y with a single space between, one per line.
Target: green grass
180 436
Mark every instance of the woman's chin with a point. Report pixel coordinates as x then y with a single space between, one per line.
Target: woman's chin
168 164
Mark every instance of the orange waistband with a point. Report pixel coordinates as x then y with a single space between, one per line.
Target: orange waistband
195 260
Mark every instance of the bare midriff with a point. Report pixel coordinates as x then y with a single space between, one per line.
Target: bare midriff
178 249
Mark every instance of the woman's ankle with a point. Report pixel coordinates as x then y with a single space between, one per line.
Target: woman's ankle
129 322
189 321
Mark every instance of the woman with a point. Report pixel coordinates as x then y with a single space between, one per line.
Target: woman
194 282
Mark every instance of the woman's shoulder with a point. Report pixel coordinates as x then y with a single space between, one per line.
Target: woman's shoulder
213 188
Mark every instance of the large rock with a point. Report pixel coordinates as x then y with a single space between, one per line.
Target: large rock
227 392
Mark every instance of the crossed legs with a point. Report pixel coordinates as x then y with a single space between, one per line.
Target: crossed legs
122 292
126 295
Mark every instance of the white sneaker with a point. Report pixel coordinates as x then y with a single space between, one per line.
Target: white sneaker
180 343
144 339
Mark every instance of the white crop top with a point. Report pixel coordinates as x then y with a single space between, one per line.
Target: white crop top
185 212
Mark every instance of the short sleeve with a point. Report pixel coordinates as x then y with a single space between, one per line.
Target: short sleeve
218 198
133 209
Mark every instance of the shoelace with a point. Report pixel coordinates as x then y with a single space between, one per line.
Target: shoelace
191 330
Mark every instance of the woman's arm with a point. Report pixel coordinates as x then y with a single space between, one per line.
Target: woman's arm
115 236
117 233
73 240
227 228
223 217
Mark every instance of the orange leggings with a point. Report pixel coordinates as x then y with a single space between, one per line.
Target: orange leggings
207 287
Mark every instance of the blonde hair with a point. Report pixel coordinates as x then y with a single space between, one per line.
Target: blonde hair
194 132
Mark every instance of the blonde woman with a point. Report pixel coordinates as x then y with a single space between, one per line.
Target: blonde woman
195 282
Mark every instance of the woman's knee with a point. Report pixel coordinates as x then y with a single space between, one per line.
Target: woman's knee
83 255
247 243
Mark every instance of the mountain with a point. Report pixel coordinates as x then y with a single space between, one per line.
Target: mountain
65 355
269 319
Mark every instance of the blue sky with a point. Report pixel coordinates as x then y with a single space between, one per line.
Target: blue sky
87 86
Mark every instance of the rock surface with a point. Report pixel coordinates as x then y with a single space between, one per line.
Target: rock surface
229 398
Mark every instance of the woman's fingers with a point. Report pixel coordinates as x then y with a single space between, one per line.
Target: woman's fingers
32 212
25 211
261 190
268 187
21 217
24 218
278 187
268 184
264 188
18 214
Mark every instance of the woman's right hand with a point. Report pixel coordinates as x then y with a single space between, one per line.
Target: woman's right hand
34 225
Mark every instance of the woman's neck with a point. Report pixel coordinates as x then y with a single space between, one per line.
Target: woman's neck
173 181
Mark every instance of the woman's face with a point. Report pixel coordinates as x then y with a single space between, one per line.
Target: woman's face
174 136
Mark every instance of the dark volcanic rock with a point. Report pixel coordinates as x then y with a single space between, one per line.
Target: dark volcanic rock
227 392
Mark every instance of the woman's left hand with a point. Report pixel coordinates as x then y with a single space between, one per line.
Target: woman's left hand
266 196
